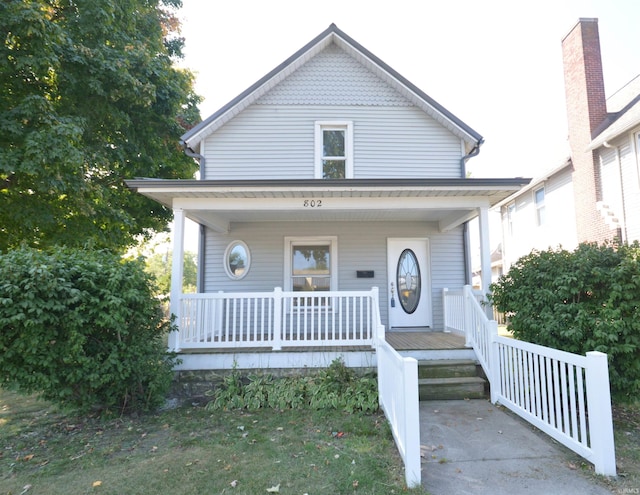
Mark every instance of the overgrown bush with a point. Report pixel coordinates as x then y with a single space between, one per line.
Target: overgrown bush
336 387
82 328
580 301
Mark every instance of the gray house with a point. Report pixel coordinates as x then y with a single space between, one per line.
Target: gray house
333 204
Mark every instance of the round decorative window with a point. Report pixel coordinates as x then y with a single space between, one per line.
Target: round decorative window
237 260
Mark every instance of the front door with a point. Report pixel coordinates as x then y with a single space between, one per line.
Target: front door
408 287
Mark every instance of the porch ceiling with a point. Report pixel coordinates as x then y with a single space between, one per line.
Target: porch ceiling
217 204
220 220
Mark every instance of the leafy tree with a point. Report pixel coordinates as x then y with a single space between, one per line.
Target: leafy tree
83 328
581 301
159 266
89 96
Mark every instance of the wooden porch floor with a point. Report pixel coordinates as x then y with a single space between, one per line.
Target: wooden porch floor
423 341
400 341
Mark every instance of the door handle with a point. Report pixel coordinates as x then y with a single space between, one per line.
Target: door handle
393 301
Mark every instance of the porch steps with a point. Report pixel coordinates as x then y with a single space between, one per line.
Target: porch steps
454 379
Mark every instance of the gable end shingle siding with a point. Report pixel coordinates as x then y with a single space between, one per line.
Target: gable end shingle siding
333 78
193 138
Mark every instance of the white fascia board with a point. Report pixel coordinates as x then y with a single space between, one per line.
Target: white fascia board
536 182
406 91
330 190
254 92
331 204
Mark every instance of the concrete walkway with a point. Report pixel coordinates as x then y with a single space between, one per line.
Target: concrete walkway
473 447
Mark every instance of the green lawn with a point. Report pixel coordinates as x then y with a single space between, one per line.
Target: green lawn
193 450
626 421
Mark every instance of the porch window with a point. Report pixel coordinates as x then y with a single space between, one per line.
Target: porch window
538 195
311 266
334 150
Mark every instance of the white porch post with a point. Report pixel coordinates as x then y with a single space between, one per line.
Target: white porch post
485 255
176 273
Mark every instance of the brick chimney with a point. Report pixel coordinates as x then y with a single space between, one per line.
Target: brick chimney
586 109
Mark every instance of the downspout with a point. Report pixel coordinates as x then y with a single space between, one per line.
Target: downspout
201 242
463 161
192 154
201 268
468 276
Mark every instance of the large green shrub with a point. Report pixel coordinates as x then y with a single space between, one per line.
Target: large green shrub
83 328
580 301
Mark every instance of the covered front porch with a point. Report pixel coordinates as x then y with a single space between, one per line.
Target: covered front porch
356 234
280 330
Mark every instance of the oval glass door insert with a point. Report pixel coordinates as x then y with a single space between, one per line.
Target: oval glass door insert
408 281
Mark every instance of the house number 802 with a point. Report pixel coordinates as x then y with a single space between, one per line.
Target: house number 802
312 203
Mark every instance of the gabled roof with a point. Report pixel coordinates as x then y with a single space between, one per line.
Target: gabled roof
332 34
624 114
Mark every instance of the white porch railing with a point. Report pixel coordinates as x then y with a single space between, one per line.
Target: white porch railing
398 396
565 395
276 319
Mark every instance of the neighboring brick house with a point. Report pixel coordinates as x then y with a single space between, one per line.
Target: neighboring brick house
594 194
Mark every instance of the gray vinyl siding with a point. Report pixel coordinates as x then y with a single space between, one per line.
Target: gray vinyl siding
268 142
361 246
274 137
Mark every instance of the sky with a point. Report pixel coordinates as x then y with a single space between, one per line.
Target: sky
495 64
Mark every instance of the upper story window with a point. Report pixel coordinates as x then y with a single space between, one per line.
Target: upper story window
538 197
334 150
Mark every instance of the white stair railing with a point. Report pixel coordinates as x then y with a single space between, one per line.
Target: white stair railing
565 395
398 396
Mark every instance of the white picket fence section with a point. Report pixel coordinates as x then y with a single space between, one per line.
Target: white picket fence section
398 396
565 395
276 319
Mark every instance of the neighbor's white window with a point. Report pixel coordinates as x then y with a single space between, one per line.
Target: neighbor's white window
637 140
311 264
334 150
538 197
511 214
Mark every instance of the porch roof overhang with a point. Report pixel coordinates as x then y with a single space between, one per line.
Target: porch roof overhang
218 204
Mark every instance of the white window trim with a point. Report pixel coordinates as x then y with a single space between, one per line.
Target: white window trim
511 218
225 260
289 242
322 125
537 206
636 144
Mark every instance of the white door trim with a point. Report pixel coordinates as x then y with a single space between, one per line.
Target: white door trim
423 316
